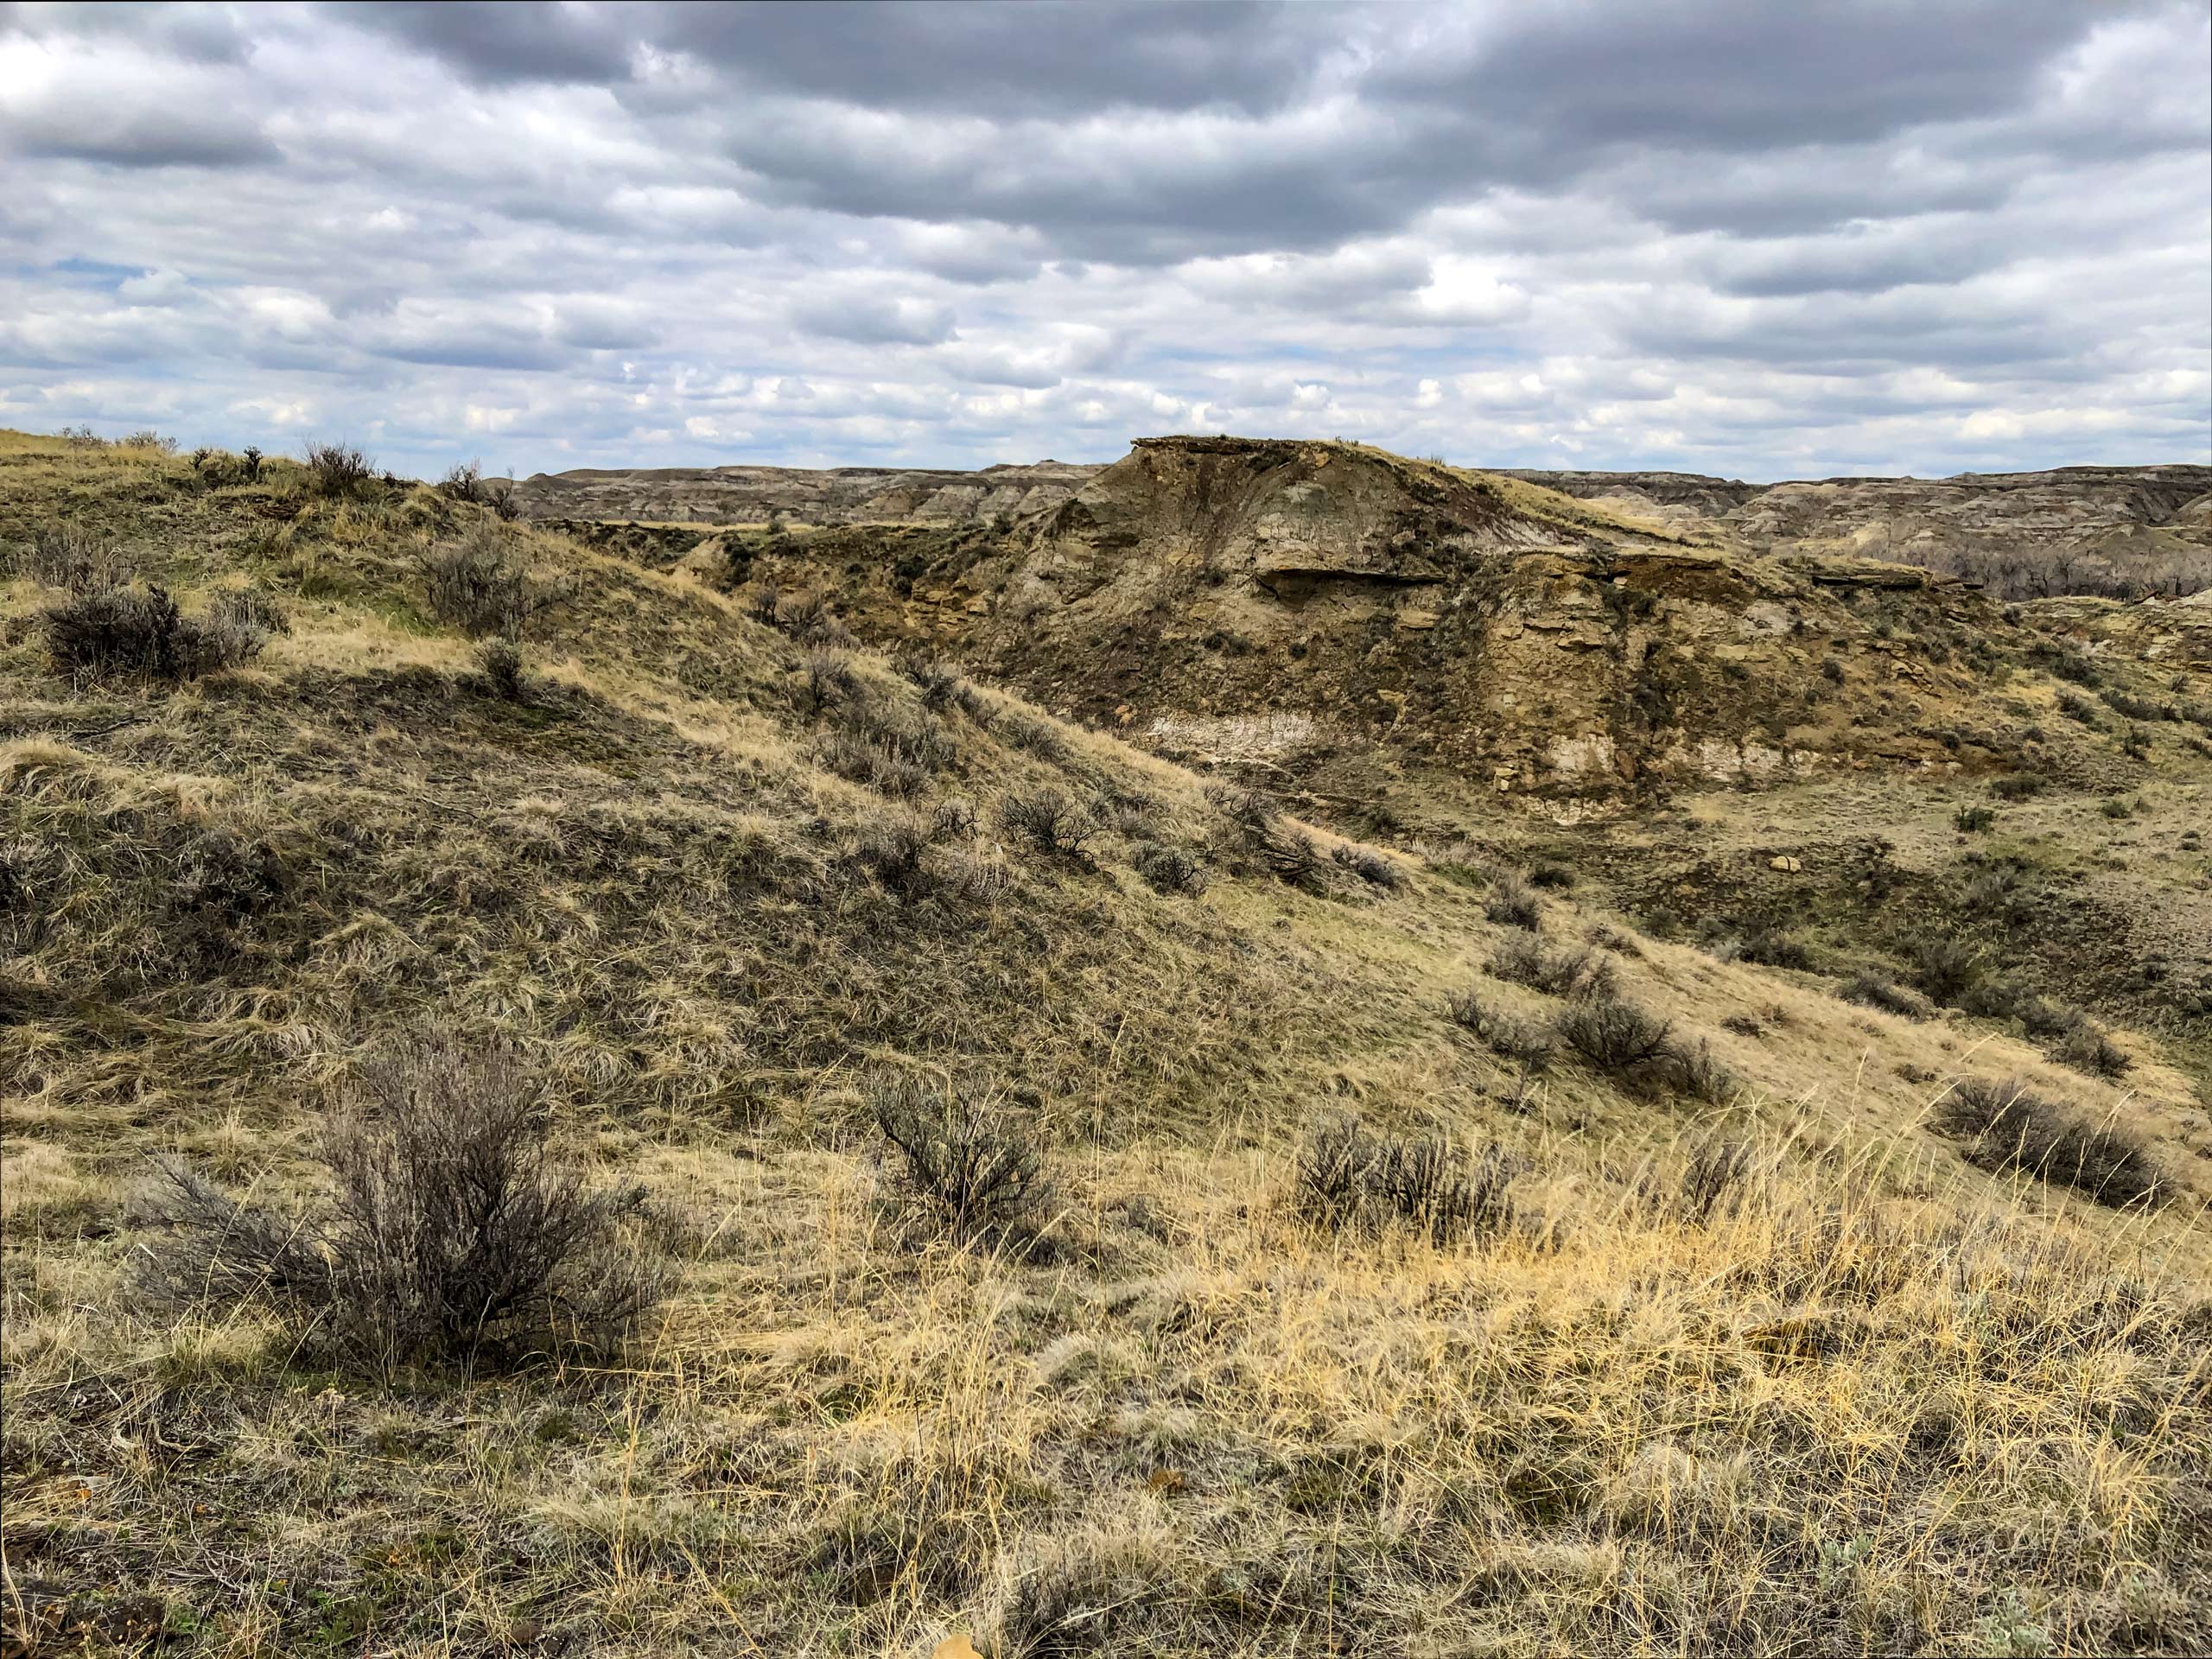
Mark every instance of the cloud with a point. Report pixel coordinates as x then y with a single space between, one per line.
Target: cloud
874 320
1728 236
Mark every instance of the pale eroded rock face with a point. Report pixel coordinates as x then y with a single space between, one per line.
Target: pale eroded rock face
1237 600
1230 599
2143 529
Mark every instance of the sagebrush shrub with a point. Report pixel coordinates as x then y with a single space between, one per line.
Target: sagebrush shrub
1565 972
1168 869
1047 819
1512 904
337 469
500 663
1614 1034
1946 968
452 1235
975 1170
475 584
142 631
1515 1039
1872 990
2006 1127
464 481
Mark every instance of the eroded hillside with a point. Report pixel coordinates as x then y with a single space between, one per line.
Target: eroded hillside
1737 1331
1235 599
727 495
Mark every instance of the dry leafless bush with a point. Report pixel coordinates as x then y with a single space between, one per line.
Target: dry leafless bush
1168 869
977 1173
1614 1035
1347 1179
337 469
1048 819
464 481
1515 1039
2007 1127
142 631
940 685
1565 972
452 1235
1713 1183
1034 735
827 677
500 662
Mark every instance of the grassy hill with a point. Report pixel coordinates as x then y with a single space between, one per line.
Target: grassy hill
1741 1339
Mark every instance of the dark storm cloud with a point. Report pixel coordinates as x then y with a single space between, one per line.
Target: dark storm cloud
504 42
1743 75
973 56
142 137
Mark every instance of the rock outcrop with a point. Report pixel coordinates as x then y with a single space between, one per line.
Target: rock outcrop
2122 531
1214 592
840 495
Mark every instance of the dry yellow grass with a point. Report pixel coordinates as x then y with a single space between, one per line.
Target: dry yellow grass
1875 1401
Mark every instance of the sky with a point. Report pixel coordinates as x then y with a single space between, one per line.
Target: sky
1736 237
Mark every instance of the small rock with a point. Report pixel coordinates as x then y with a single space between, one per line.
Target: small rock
1787 866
